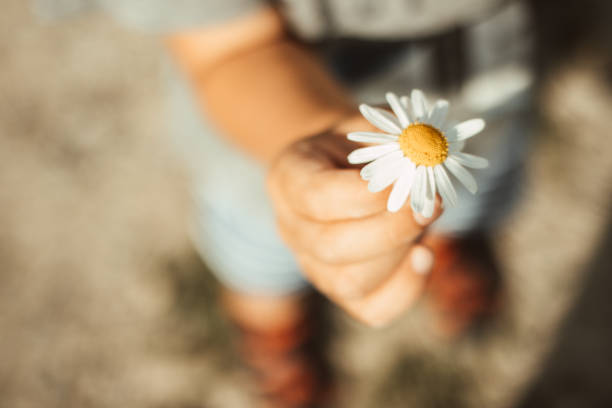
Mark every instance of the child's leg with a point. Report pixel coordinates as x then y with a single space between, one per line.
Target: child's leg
234 231
282 340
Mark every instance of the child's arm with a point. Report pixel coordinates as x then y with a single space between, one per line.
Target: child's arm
268 94
261 89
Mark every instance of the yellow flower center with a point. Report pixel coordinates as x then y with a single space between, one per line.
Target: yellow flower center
423 144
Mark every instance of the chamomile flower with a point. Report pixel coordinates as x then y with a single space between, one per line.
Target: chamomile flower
416 152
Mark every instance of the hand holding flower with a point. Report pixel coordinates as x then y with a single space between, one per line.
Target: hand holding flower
349 246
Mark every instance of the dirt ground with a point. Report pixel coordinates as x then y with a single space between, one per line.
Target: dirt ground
104 303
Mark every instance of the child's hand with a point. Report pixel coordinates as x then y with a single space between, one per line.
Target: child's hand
350 247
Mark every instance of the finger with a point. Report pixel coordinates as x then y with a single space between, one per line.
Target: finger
349 241
349 281
318 189
402 289
357 240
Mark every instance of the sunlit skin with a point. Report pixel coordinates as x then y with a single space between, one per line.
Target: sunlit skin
269 96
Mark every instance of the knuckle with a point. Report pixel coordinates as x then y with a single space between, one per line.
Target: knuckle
311 201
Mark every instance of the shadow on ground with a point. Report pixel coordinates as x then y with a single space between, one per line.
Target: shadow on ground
577 371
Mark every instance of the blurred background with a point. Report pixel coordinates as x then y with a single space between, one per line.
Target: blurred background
104 302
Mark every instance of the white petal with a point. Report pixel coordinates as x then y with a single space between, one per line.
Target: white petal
432 181
454 147
462 174
385 175
428 207
437 116
389 116
402 186
366 154
399 111
380 120
419 105
368 170
430 195
465 130
470 160
405 101
417 197
371 137
445 186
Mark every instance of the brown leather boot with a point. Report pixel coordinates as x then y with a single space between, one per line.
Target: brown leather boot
282 341
464 288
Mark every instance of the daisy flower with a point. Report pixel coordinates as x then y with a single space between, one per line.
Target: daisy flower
416 152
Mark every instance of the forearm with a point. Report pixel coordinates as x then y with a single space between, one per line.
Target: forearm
265 94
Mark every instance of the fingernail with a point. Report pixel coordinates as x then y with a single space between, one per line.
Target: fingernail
421 220
421 259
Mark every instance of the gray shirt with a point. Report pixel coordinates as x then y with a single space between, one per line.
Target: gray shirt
309 19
